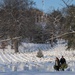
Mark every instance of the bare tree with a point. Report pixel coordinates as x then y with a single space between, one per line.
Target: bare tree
54 27
70 23
14 19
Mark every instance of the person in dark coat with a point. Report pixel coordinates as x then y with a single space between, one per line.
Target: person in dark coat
57 64
62 62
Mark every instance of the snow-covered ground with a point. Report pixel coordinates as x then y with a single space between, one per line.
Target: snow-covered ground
26 62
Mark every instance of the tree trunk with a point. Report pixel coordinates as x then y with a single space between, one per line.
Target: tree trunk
16 45
12 47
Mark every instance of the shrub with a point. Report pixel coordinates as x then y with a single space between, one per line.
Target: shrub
39 54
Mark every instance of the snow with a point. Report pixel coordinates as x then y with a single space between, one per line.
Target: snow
38 73
26 62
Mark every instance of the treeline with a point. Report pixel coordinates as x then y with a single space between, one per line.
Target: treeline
17 18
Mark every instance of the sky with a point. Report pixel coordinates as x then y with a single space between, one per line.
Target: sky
51 4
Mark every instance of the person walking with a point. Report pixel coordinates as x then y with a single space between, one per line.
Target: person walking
57 64
63 63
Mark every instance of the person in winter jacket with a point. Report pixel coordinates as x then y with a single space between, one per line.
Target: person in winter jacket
62 63
57 64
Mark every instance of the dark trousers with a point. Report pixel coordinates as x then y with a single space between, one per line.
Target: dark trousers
57 68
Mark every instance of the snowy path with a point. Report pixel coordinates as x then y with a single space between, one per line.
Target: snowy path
38 73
